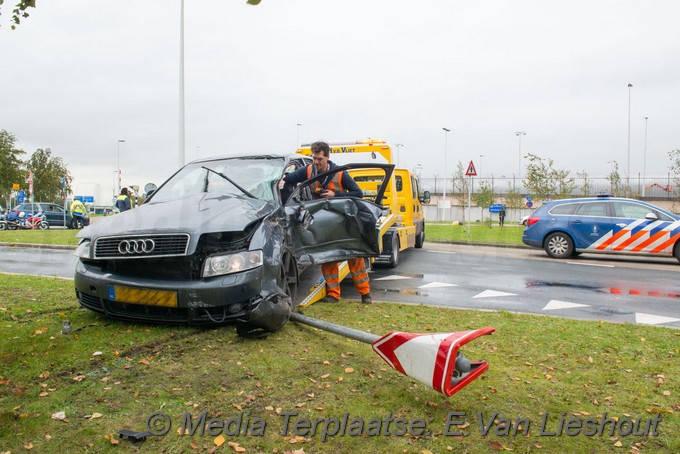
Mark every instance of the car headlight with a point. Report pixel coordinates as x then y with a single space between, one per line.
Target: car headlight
217 265
84 249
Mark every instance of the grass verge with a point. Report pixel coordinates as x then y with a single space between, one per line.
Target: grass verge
64 237
108 375
510 234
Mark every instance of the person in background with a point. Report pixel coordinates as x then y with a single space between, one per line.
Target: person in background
78 208
123 200
501 215
340 184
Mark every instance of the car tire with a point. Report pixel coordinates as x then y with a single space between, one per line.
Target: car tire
676 251
420 239
394 256
77 224
559 245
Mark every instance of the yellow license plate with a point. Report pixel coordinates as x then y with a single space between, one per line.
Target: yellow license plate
147 297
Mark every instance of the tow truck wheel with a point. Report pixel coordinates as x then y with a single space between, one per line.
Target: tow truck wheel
394 256
420 239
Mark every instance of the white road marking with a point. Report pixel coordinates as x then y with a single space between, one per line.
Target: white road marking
393 277
651 319
591 264
437 285
492 293
557 304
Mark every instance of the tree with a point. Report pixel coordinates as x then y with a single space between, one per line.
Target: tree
19 12
616 185
513 199
460 184
484 197
11 165
48 172
585 188
674 155
546 182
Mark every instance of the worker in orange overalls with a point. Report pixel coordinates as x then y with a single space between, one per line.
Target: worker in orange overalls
340 184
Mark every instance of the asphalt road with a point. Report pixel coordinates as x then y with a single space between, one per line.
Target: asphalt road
591 287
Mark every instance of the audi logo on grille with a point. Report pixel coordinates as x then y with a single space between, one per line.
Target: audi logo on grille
127 247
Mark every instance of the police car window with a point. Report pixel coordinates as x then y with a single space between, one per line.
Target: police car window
592 209
567 208
635 211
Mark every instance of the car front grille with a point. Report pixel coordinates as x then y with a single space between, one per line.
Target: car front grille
141 246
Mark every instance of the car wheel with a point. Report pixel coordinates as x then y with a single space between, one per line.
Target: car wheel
420 239
77 224
559 245
394 256
676 251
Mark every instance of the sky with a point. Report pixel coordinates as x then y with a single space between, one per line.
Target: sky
78 76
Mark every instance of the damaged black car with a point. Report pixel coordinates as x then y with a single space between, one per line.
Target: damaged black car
222 241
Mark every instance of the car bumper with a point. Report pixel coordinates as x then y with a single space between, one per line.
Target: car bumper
531 240
207 301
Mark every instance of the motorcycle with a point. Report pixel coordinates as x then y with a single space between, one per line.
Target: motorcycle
14 221
37 221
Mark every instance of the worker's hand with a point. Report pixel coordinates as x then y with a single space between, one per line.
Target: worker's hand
327 193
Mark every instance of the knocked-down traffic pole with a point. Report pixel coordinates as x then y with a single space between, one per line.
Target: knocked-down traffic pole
433 359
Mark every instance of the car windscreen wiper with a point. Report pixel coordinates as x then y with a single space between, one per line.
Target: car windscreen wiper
205 185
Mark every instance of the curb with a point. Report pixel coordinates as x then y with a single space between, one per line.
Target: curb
40 246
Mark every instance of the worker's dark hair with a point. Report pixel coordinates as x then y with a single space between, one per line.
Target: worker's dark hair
321 147
124 191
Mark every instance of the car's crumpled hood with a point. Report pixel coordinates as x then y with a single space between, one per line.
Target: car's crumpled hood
194 215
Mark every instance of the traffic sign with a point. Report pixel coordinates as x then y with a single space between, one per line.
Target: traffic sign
495 207
528 198
471 172
529 204
15 186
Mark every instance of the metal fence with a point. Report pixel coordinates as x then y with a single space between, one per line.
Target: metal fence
650 187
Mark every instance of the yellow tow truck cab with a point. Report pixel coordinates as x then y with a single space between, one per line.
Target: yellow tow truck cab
404 227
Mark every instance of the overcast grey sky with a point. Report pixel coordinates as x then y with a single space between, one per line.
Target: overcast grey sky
78 75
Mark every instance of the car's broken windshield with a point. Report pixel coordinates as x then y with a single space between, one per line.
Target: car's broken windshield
255 176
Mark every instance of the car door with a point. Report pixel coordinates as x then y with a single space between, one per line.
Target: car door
591 225
335 229
634 231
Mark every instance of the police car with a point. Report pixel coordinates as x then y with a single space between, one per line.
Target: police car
603 225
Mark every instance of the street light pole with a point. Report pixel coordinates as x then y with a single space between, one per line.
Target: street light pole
644 161
299 125
181 86
446 150
628 158
480 166
119 177
519 166
398 145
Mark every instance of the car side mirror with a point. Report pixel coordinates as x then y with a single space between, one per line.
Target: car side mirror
651 217
425 198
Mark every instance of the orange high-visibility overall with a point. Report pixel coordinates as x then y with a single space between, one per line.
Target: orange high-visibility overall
356 266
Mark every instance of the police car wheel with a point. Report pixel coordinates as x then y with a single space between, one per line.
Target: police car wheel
559 245
676 251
